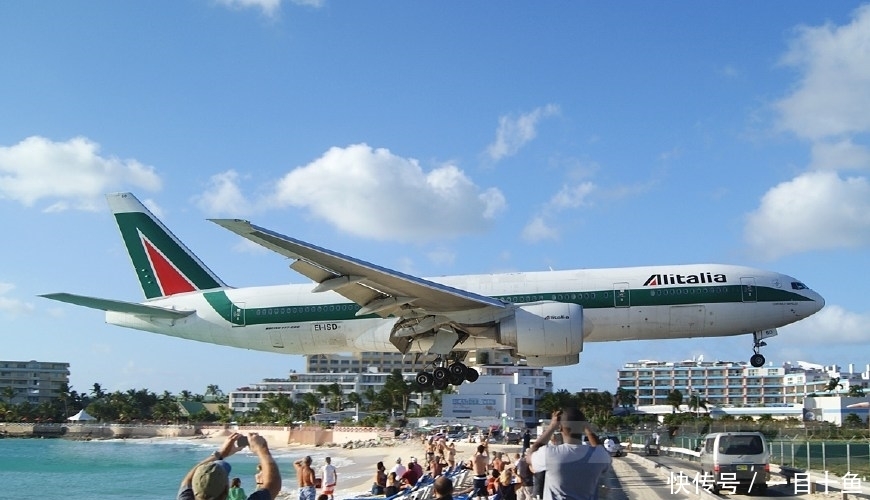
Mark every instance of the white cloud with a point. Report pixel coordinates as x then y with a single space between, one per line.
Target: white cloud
376 194
832 97
223 196
830 108
442 256
12 306
514 133
69 174
538 230
572 196
832 325
270 8
840 155
569 197
816 210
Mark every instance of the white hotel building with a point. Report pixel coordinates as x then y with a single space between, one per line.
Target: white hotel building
734 384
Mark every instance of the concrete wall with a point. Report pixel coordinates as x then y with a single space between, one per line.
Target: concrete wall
96 431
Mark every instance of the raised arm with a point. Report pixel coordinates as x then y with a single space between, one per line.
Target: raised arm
270 474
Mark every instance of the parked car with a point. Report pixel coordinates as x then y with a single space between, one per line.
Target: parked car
512 437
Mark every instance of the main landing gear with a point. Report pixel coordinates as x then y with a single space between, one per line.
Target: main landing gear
444 375
757 359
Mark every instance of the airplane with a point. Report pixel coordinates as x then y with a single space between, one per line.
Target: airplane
543 318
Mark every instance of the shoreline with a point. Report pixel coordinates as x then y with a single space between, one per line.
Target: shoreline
355 459
356 466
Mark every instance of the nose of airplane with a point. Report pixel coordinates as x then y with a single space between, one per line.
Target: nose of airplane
818 302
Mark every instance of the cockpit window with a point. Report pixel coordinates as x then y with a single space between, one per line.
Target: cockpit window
797 285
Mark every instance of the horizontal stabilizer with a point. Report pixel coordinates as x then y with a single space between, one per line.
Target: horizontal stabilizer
118 306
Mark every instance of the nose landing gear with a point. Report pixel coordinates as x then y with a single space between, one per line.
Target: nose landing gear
757 359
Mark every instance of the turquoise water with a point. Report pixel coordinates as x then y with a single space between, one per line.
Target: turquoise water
114 469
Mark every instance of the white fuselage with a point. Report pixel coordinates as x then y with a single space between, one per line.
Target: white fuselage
663 302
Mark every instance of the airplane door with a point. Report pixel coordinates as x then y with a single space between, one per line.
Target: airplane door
621 295
748 290
621 309
237 314
277 341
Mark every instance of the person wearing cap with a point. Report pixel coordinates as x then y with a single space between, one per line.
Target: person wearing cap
210 479
573 469
399 469
418 469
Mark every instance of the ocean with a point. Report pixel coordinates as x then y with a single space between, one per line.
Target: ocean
145 469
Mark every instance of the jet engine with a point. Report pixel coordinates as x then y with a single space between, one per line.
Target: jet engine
546 333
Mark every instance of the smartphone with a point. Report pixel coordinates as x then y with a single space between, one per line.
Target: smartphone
242 441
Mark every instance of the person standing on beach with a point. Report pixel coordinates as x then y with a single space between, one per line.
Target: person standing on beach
330 478
236 490
305 476
209 479
573 469
451 456
480 463
527 479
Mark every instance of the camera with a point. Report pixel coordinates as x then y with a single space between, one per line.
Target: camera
242 441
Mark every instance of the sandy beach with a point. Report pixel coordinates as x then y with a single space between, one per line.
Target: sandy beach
356 466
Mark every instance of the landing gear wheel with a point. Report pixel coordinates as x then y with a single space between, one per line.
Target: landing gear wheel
458 370
424 379
441 373
471 375
441 384
757 360
456 380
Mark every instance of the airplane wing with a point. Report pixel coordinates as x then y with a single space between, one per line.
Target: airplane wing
118 306
377 289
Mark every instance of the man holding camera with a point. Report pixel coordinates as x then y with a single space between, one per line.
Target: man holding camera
209 479
573 468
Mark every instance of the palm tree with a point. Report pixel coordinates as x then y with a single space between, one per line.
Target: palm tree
97 391
398 391
337 396
833 384
277 405
625 397
9 393
696 402
356 400
675 399
325 392
370 395
311 400
856 391
214 391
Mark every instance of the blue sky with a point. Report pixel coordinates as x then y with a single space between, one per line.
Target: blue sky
434 138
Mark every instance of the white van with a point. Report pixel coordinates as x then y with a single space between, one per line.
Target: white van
741 459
